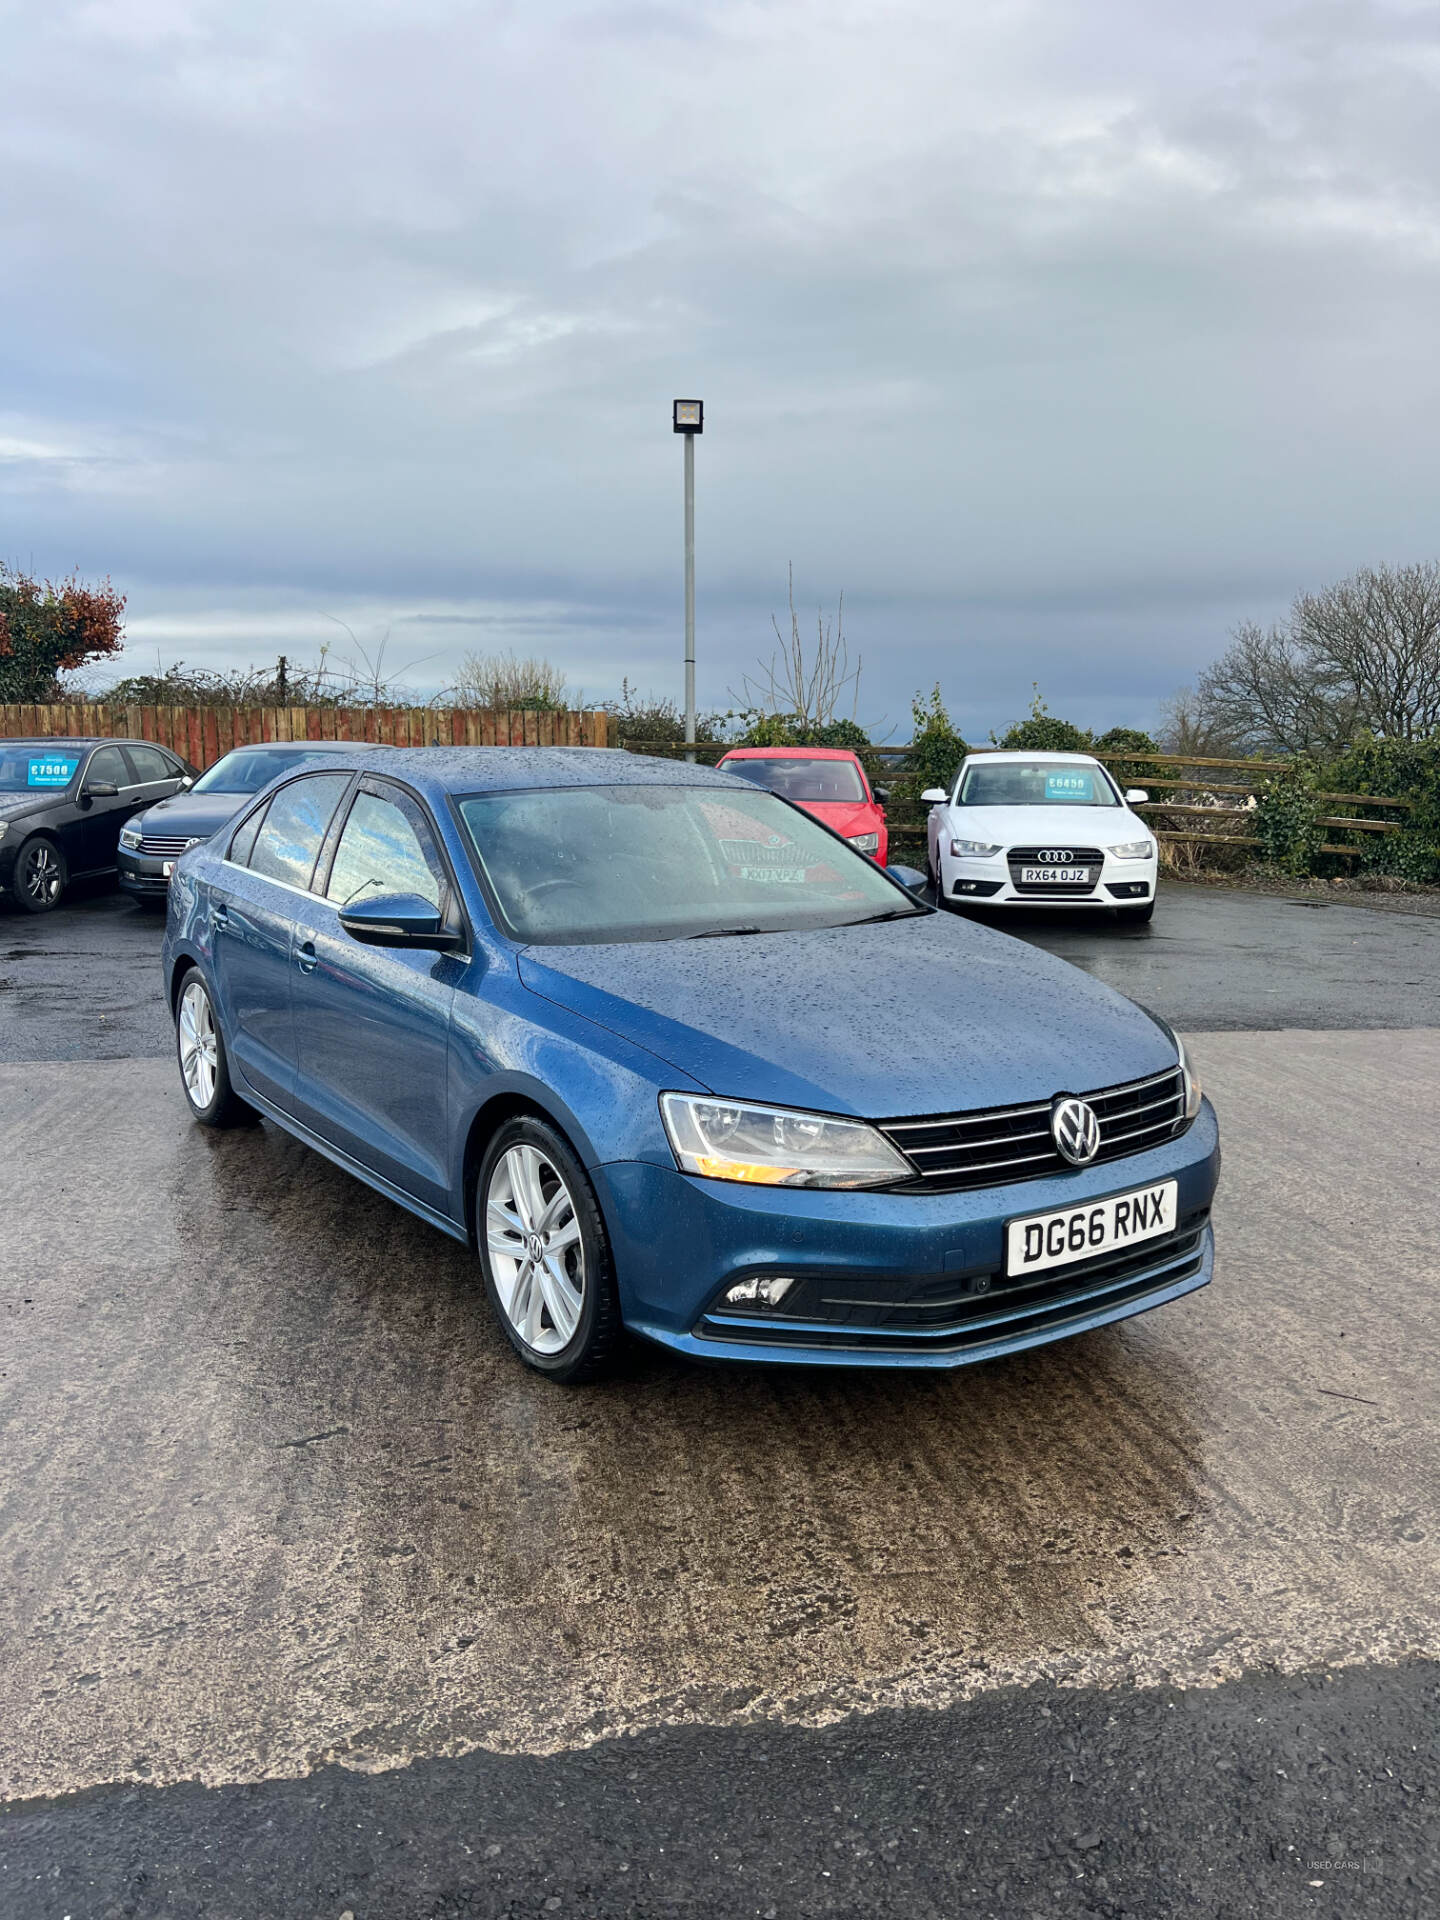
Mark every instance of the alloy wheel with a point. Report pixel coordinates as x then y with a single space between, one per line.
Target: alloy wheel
199 1045
537 1257
41 876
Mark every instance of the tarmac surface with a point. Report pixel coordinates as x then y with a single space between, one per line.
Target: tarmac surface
313 1601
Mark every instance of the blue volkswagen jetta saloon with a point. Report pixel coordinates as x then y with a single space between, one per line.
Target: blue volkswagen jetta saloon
675 1059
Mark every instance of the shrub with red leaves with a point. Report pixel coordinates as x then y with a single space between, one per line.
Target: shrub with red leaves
50 627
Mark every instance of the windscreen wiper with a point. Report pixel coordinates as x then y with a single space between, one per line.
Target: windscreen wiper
890 913
725 933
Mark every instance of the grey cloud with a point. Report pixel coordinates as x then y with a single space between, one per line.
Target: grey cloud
1061 338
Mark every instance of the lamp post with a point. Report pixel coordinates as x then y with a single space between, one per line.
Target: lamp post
688 418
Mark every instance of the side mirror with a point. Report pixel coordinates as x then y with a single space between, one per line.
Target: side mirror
186 782
882 796
910 878
398 920
934 796
102 790
1136 796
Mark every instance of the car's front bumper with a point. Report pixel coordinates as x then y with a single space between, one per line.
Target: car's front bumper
918 1278
987 881
144 875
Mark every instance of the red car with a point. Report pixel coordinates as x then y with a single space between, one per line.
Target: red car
826 781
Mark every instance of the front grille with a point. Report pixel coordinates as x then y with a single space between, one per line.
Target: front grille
1084 859
164 846
1004 1144
956 1311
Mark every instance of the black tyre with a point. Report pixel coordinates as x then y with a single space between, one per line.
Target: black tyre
1136 916
545 1254
204 1069
41 875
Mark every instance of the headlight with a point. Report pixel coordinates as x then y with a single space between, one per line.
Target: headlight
980 847
1193 1089
865 842
130 837
1134 850
775 1146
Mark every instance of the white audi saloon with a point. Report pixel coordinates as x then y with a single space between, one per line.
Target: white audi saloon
1040 829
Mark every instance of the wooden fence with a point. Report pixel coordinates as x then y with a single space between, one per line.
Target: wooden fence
1183 774
201 734
1194 776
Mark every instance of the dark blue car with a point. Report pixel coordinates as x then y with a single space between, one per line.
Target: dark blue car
674 1058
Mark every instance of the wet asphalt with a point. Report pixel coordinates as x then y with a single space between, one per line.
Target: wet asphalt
312 1601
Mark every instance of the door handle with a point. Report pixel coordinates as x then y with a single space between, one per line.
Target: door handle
219 916
306 956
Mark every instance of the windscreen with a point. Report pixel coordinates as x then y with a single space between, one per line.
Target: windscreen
248 769
1034 783
34 767
579 865
802 779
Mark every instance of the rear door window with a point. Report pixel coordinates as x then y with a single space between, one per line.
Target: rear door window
151 764
243 843
385 848
288 843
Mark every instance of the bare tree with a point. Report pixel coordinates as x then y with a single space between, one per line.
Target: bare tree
1373 642
1361 656
1266 695
806 680
362 678
1187 726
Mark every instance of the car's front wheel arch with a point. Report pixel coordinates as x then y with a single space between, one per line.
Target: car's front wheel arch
509 1104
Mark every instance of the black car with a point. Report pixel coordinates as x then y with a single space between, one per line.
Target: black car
63 803
151 844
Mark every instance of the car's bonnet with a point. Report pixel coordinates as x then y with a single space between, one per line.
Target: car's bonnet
196 814
1046 826
931 1015
32 800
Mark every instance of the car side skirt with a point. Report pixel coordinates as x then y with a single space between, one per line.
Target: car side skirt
298 1131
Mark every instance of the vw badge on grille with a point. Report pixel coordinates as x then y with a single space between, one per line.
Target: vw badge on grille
1076 1130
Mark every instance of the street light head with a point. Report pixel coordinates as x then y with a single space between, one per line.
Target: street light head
689 416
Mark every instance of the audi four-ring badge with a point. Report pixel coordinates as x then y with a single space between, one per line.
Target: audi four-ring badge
1040 829
612 1022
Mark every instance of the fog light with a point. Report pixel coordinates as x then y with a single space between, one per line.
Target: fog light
757 1292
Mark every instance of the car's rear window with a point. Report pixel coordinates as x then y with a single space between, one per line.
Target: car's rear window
802 779
1034 783
247 769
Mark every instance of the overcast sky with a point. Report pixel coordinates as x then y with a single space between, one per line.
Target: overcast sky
1060 337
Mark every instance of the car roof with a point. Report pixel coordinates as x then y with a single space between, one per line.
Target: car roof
1029 753
301 746
791 753
496 769
71 740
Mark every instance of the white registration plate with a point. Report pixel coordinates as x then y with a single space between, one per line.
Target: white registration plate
1083 1233
167 867
774 874
1055 876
